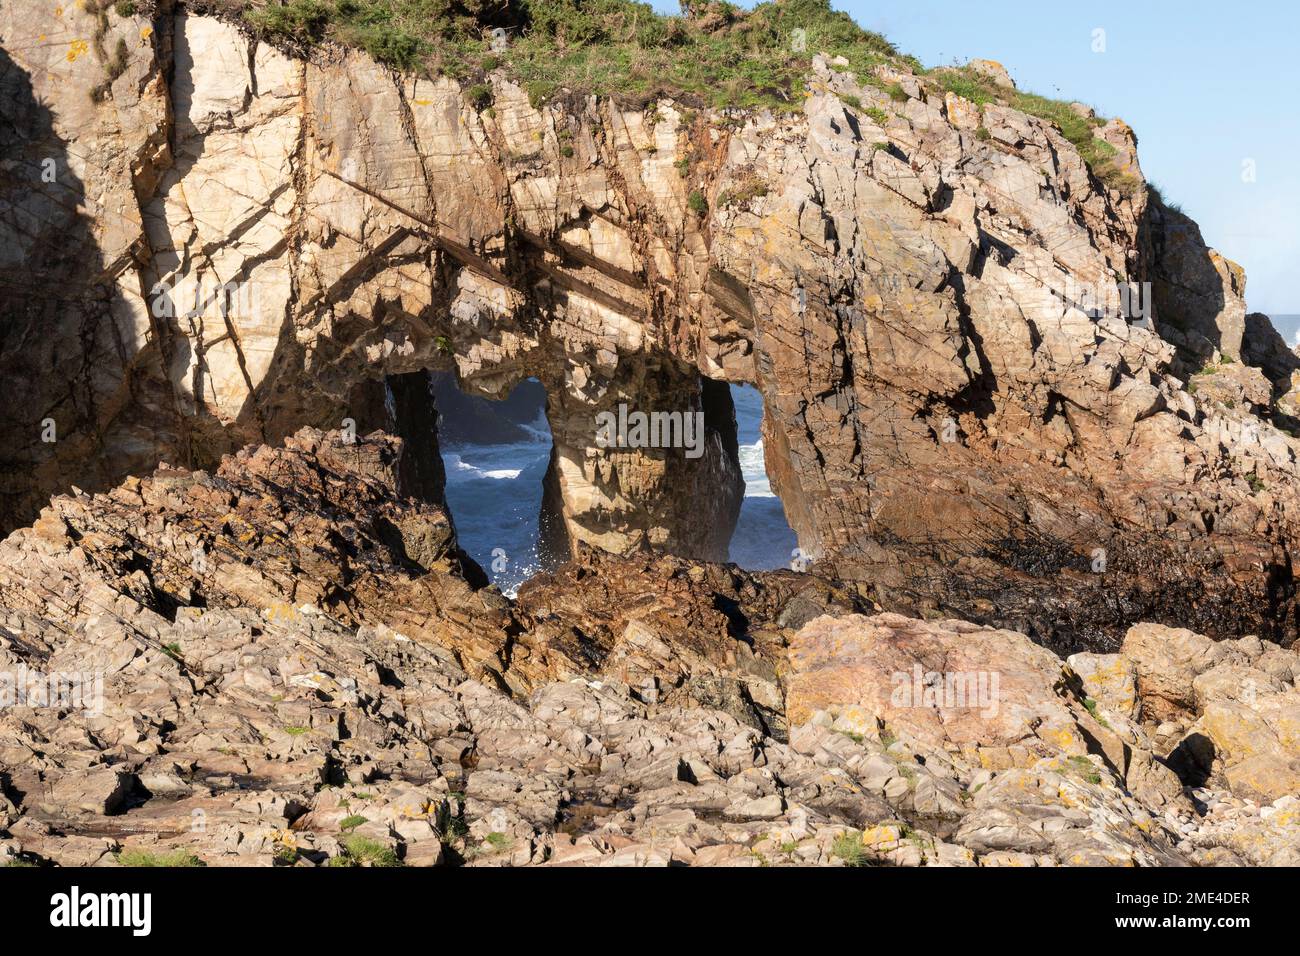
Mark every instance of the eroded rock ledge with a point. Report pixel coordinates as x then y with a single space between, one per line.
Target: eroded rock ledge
889 274
297 672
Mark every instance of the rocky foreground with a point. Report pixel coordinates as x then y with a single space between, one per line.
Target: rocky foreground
300 668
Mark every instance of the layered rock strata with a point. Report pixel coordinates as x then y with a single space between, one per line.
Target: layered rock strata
235 242
282 663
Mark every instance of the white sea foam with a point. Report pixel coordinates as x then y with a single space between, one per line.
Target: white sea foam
754 471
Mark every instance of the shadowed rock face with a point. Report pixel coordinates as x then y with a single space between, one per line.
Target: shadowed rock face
948 428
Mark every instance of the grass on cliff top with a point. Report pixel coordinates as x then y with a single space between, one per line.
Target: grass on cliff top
1079 130
715 54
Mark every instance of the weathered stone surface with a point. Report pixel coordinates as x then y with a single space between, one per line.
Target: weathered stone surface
285 683
1051 764
1168 660
953 684
299 666
1111 679
949 424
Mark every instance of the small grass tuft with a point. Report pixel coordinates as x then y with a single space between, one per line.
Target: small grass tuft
143 858
1091 705
1085 768
848 846
479 96
360 851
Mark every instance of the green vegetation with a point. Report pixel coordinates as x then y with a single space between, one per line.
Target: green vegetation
479 96
451 828
352 822
1085 768
1211 368
848 846
969 85
1091 704
144 858
1075 127
359 851
697 202
878 116
719 55
114 65
1156 195
896 92
499 840
715 54
851 101
293 731
285 855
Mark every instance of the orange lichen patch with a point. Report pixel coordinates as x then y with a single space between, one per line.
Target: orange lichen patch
882 836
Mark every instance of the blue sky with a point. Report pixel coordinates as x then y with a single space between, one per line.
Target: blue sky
1206 86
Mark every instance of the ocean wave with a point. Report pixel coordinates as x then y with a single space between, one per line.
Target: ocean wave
753 470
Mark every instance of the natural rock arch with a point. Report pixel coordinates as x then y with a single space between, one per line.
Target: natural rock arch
383 225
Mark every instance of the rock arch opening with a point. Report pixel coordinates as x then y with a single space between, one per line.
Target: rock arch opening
763 539
495 455
665 460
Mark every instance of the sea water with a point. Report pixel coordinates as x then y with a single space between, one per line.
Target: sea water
495 494
762 540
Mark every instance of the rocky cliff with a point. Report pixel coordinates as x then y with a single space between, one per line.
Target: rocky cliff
222 244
